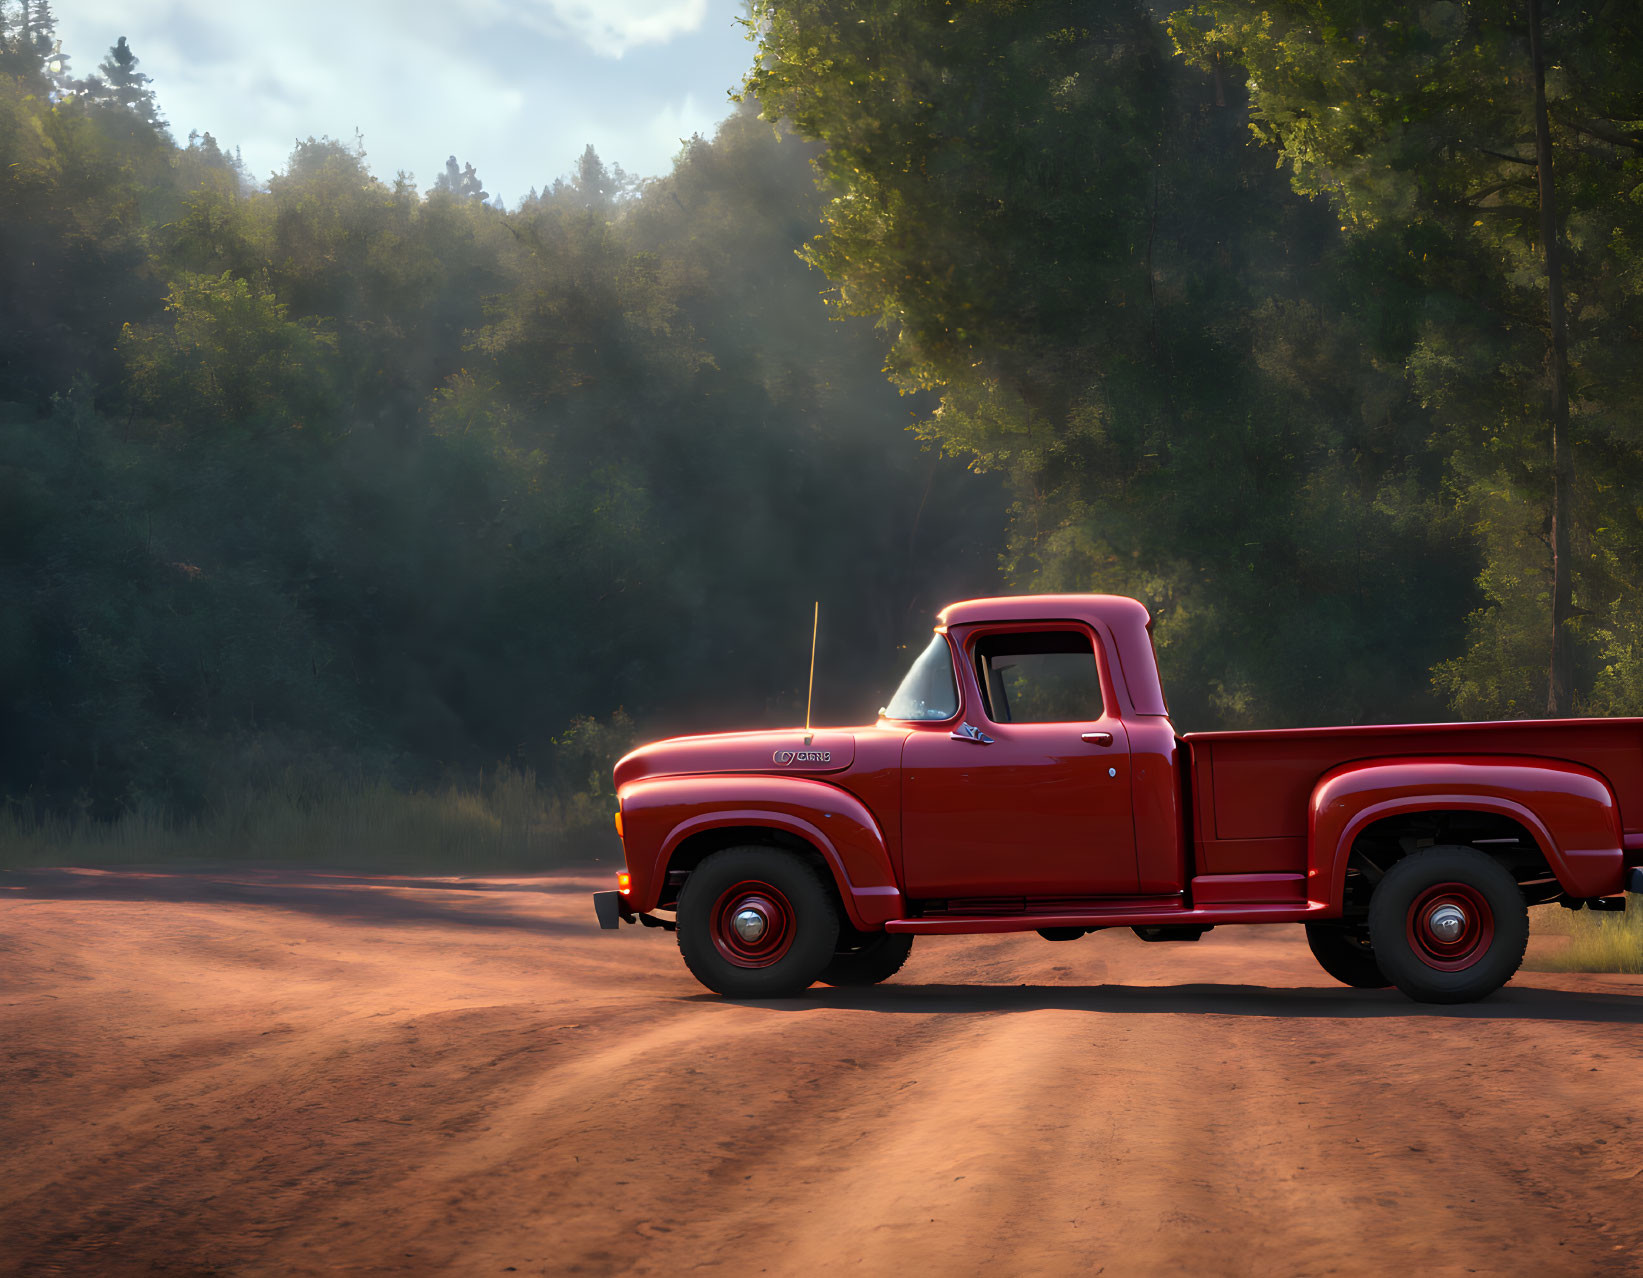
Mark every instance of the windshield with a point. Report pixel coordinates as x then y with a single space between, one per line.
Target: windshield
928 691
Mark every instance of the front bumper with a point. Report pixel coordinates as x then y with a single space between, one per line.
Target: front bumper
612 910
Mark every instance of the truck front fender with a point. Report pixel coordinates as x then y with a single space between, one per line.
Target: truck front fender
1569 811
660 815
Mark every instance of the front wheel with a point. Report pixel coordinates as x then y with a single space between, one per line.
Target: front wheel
876 956
1448 925
1344 952
756 923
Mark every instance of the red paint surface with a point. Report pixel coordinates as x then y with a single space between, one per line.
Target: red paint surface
1568 809
1040 810
1041 828
661 815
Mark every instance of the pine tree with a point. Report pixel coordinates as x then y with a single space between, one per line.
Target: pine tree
42 33
42 24
209 150
125 86
596 186
35 27
49 48
461 181
28 38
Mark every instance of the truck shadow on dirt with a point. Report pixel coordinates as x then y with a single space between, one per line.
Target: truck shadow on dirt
1509 1004
363 899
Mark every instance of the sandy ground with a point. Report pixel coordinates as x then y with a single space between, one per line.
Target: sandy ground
281 1072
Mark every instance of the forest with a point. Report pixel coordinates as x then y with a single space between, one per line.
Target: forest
1312 325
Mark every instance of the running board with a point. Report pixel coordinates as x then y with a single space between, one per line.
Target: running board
1253 912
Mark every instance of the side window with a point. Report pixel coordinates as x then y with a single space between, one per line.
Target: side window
1047 676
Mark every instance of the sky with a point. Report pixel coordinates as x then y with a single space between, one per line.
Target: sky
515 87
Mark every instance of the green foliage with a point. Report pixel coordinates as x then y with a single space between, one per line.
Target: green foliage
1137 322
1416 121
504 822
587 750
125 87
461 182
331 479
225 355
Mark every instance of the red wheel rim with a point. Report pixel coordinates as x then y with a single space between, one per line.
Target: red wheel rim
741 940
1451 926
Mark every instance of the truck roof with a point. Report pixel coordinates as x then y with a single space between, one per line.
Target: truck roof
1127 620
1115 610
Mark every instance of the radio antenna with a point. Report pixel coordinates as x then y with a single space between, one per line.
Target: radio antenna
815 626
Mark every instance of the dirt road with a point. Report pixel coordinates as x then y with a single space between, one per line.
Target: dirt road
288 1073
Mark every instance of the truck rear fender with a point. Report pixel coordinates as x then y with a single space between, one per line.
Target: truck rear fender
667 819
1570 811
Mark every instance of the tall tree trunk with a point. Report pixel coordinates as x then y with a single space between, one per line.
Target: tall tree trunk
1560 677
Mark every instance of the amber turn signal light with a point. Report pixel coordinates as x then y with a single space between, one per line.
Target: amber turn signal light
624 882
618 824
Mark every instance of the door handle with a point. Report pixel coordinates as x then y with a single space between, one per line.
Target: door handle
1098 738
967 732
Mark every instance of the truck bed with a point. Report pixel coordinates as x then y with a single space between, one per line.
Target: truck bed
1250 790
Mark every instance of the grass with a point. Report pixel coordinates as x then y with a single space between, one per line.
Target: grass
507 822
1598 942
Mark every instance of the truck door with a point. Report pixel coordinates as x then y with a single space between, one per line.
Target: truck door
1028 795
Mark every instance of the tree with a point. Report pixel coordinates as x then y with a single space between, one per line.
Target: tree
31 42
1129 315
123 85
40 24
461 182
15 56
1498 143
40 29
228 356
593 185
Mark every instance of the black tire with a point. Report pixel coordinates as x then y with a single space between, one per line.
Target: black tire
876 956
1495 929
1344 952
802 917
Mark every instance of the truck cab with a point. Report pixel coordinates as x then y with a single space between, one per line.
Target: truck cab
1026 776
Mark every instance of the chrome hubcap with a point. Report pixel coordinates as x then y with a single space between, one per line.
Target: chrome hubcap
1447 922
749 924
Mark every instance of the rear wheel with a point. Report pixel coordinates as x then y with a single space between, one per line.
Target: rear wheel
1344 952
874 957
756 923
1448 925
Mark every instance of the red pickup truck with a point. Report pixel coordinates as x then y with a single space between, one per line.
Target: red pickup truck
1026 777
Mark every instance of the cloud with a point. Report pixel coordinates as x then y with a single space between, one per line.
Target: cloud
612 27
673 125
516 87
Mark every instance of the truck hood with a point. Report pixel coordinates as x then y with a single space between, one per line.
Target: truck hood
781 751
